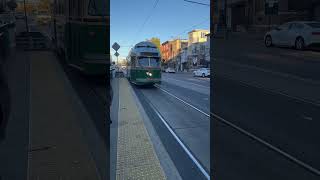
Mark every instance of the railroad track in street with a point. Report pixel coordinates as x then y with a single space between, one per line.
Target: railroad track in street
248 134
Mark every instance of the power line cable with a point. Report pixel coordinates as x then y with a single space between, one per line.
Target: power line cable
191 27
145 21
195 2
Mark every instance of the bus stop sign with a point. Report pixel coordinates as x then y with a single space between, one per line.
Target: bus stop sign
271 7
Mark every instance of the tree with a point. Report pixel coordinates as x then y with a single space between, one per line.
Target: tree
155 41
44 5
12 4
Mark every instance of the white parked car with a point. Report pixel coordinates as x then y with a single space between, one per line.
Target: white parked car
170 70
298 34
203 72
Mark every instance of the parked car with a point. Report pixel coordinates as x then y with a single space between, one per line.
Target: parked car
203 72
20 15
170 70
297 34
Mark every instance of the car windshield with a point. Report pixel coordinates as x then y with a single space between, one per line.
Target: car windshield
97 8
314 25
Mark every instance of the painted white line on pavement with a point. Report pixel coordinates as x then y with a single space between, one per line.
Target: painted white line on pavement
272 91
199 79
203 171
189 82
288 156
286 75
182 101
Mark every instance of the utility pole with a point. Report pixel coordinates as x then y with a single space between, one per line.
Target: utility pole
25 15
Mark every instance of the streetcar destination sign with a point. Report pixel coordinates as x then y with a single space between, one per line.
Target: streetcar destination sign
116 46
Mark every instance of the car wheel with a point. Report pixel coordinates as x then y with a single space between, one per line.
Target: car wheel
203 75
268 41
299 44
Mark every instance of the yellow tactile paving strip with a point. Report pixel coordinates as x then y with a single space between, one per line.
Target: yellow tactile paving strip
136 158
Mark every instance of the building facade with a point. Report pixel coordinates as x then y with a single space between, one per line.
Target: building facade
171 52
197 48
165 51
249 15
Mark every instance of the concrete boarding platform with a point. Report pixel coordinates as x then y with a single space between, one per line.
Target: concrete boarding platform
136 156
57 142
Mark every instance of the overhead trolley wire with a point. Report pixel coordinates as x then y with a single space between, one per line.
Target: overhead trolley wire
145 21
195 2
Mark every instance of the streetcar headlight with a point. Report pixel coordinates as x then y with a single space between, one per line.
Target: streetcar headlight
149 74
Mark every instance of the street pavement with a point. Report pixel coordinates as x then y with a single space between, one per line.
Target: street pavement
285 124
265 111
190 125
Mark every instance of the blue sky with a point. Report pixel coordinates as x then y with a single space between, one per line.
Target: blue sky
170 18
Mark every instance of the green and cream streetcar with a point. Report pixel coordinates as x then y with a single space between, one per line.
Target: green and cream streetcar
144 64
80 34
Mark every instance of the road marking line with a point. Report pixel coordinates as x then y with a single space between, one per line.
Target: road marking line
288 156
188 82
307 117
286 75
270 90
183 101
203 171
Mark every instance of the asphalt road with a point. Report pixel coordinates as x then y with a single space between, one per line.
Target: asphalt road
190 125
252 52
286 124
258 134
283 142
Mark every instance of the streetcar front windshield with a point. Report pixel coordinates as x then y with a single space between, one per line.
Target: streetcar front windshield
154 62
97 8
143 62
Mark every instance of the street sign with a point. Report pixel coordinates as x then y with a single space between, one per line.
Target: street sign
116 54
116 46
271 7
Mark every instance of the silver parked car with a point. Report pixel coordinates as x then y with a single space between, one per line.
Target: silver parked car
298 34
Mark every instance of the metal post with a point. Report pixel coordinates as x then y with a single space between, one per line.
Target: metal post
226 17
25 15
117 63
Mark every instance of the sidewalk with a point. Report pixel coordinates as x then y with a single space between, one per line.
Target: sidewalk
136 157
58 146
